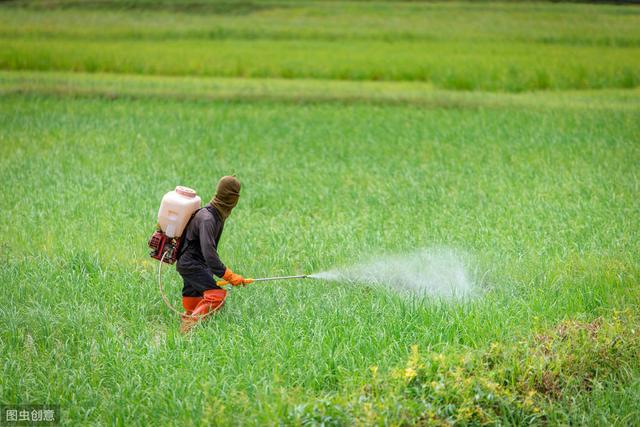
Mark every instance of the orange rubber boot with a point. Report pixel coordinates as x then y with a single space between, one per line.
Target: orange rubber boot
190 303
212 300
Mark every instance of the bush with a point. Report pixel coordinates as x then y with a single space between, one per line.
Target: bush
522 383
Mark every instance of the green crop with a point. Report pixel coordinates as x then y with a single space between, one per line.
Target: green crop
462 46
543 200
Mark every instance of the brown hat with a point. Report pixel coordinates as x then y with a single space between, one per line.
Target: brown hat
227 195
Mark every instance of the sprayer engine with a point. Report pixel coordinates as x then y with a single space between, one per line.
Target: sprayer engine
161 244
176 210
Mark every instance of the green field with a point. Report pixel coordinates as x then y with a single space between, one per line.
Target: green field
461 46
346 124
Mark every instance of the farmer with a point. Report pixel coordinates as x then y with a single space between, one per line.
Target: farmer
199 261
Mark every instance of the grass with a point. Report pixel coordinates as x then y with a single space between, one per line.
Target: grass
505 131
544 200
460 46
301 91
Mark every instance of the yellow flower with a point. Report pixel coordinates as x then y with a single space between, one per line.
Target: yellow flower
491 385
410 373
374 370
414 358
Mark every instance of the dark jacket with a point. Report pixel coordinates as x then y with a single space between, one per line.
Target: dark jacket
200 242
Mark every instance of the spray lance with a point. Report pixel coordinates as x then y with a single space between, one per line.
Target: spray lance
266 279
176 210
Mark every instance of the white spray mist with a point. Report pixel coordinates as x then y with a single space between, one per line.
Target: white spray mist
439 272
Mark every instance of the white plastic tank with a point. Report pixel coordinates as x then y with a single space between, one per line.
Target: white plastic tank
176 208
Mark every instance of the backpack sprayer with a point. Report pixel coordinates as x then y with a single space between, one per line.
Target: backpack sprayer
176 210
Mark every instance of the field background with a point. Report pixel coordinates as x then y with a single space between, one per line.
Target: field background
507 131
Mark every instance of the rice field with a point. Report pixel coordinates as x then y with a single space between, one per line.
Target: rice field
507 47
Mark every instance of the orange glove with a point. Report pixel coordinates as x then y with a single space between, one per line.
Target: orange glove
233 278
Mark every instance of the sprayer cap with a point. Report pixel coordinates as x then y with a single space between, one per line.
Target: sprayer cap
185 191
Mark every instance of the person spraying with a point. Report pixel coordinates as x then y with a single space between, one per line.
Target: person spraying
197 257
189 234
